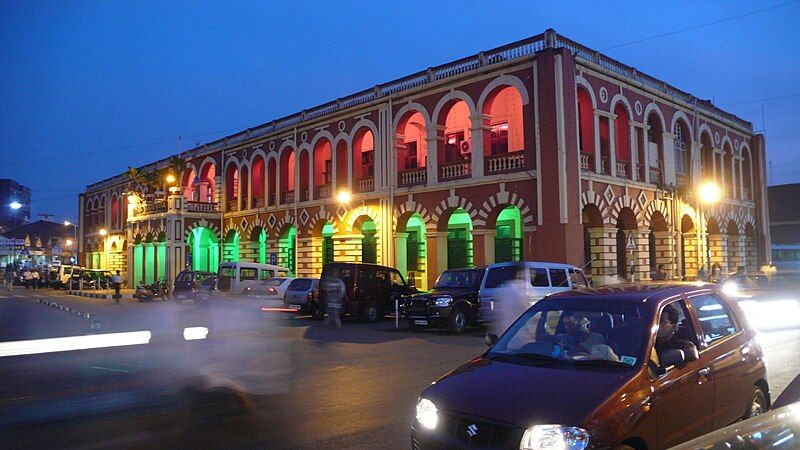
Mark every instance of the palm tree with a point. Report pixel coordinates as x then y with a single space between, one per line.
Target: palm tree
135 177
177 165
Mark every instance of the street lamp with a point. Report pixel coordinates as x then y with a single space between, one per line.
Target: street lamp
67 223
102 232
15 205
69 243
708 194
170 178
344 197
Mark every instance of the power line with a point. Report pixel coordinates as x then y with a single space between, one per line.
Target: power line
760 100
697 27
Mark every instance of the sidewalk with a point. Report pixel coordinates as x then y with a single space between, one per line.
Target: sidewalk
102 293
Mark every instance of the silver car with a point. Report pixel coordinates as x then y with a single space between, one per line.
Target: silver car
302 295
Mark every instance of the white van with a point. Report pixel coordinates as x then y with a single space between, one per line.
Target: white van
62 276
235 277
508 289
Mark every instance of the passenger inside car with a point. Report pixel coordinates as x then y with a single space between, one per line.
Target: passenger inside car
673 333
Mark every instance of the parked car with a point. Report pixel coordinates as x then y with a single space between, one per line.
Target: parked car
453 303
207 289
371 290
581 369
271 289
741 283
302 295
509 288
187 284
235 277
92 279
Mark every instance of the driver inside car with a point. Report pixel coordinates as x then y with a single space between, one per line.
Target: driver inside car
582 341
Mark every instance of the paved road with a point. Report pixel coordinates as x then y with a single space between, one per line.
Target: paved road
310 386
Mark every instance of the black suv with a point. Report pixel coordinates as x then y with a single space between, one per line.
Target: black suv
371 289
188 283
453 303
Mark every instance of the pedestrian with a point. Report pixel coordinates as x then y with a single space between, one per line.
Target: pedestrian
26 278
772 271
716 273
35 277
701 274
335 292
117 281
11 274
660 274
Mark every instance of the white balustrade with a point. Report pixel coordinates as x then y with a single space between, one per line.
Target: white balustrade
413 176
505 162
456 170
366 184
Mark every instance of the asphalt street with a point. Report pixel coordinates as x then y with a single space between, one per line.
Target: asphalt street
303 385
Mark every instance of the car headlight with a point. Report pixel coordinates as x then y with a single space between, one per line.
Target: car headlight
426 414
444 301
730 288
542 437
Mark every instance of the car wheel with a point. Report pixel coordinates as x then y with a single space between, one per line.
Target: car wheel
458 320
317 313
370 313
758 403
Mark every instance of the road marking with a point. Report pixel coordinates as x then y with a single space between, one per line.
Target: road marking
110 369
63 344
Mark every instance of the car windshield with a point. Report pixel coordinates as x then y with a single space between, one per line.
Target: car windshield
583 331
184 277
300 284
209 281
458 279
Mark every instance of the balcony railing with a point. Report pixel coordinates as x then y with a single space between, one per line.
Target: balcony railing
258 202
506 162
366 184
586 161
622 169
655 175
324 191
452 171
154 207
411 177
202 207
288 197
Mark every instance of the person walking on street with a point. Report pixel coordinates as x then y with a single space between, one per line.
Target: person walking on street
35 278
117 281
10 275
26 278
334 299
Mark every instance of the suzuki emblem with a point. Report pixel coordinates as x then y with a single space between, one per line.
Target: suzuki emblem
472 430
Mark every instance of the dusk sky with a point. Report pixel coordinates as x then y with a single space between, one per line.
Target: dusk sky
89 88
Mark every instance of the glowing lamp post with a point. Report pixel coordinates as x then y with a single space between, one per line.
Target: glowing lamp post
102 232
15 205
708 194
344 197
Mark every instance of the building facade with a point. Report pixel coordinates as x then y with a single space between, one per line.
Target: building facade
542 149
11 192
784 225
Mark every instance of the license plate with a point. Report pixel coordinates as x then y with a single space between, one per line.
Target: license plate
420 322
294 307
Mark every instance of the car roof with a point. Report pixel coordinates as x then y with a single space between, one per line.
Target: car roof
648 293
545 264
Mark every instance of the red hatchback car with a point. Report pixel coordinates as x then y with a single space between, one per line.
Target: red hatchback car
628 366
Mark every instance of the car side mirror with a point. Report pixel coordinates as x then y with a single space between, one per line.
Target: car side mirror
490 339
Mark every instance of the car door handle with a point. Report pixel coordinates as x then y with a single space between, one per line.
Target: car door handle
745 349
704 372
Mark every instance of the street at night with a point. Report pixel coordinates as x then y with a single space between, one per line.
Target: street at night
310 386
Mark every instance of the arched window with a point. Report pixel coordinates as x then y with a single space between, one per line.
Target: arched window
622 140
747 176
272 185
681 152
455 150
244 189
323 168
412 149
287 176
364 160
655 149
304 176
258 182
115 212
585 128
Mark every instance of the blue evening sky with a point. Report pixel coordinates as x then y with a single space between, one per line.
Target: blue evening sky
89 88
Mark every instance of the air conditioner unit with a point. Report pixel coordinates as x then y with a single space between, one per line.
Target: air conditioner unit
464 147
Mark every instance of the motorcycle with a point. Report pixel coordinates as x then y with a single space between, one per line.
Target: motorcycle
150 292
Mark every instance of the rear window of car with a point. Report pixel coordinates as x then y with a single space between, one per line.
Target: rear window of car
226 272
343 272
539 277
499 275
274 282
184 277
300 284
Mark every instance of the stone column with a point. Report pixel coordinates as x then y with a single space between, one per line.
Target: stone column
642 255
479 131
633 175
665 253
691 254
479 247
718 246
437 254
306 257
604 253
435 134
751 261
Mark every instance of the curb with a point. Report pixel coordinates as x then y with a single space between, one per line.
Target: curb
98 296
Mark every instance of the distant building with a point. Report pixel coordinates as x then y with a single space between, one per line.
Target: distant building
44 243
784 225
10 192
